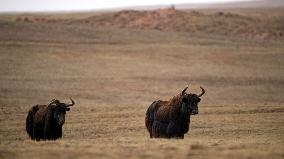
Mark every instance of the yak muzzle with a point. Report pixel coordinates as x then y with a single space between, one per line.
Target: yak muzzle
61 120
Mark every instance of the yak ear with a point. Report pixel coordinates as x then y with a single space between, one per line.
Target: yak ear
67 109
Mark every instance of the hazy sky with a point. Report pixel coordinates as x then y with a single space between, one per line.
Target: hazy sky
64 5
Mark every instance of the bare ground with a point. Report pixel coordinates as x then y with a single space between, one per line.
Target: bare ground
114 74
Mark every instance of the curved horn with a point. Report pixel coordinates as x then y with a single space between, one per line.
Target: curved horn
183 91
203 91
68 105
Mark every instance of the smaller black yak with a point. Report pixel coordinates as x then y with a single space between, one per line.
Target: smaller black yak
44 122
171 119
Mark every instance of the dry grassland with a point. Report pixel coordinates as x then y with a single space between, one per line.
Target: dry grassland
115 73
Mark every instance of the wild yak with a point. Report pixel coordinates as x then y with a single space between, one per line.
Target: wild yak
45 121
171 119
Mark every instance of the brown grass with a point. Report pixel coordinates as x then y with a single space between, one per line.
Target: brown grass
114 74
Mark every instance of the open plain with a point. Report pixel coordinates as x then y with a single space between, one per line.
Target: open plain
114 71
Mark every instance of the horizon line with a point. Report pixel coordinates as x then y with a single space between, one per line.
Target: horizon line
196 5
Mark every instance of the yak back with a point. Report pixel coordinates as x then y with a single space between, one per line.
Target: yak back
41 114
167 111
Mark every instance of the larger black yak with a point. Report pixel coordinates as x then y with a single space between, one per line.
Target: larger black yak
45 121
171 119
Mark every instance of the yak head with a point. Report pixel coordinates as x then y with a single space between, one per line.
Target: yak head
190 101
59 110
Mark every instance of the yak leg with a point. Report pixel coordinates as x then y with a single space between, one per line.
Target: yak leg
149 124
159 129
172 129
47 132
149 119
154 132
30 124
57 133
180 136
38 132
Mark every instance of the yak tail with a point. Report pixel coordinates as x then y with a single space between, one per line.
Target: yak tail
30 121
149 119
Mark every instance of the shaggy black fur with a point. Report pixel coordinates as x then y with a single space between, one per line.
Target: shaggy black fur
171 119
44 122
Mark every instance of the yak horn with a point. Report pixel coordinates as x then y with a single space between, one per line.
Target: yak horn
203 91
183 91
68 105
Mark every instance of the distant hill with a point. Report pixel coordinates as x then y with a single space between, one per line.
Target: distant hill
220 23
263 25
